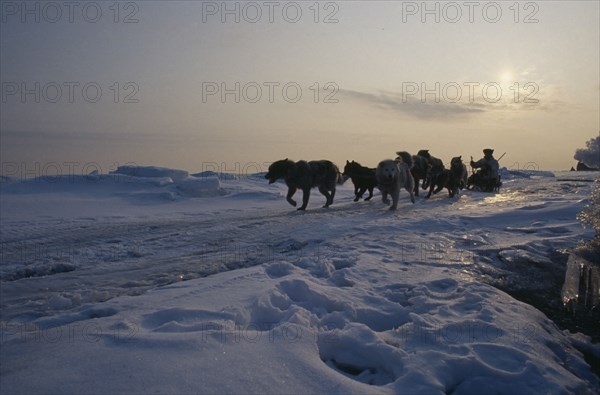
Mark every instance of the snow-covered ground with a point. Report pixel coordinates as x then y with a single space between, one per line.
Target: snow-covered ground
154 281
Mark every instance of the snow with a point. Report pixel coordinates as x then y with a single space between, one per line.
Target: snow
152 172
153 280
200 187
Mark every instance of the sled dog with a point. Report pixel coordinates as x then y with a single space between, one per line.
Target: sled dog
362 177
304 175
392 175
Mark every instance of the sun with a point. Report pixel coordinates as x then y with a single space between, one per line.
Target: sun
506 76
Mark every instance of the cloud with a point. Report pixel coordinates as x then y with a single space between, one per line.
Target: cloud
411 106
425 106
591 154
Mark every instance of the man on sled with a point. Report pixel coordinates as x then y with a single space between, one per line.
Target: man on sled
487 178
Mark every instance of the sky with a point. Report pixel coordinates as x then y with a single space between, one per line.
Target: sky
235 86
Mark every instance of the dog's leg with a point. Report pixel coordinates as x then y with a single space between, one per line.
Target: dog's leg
395 196
410 188
431 188
290 194
305 197
384 198
356 190
360 194
329 196
439 188
325 193
370 194
456 186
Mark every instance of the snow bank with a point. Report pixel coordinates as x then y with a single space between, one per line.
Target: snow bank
191 186
126 191
200 187
220 176
523 174
152 171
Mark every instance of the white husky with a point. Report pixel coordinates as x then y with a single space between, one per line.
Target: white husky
391 176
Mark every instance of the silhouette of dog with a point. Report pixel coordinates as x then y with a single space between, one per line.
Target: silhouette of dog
419 170
436 177
362 177
304 176
459 174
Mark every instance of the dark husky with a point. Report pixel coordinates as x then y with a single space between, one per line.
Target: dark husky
419 170
436 176
453 179
305 176
439 181
436 164
458 170
362 177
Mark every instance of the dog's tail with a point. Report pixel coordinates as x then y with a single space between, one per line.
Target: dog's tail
406 157
341 178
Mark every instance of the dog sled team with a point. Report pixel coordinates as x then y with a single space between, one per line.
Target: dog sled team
390 177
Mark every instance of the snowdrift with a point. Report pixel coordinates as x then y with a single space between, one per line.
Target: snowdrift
152 172
237 292
200 187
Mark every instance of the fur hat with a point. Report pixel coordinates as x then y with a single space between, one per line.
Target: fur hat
488 151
